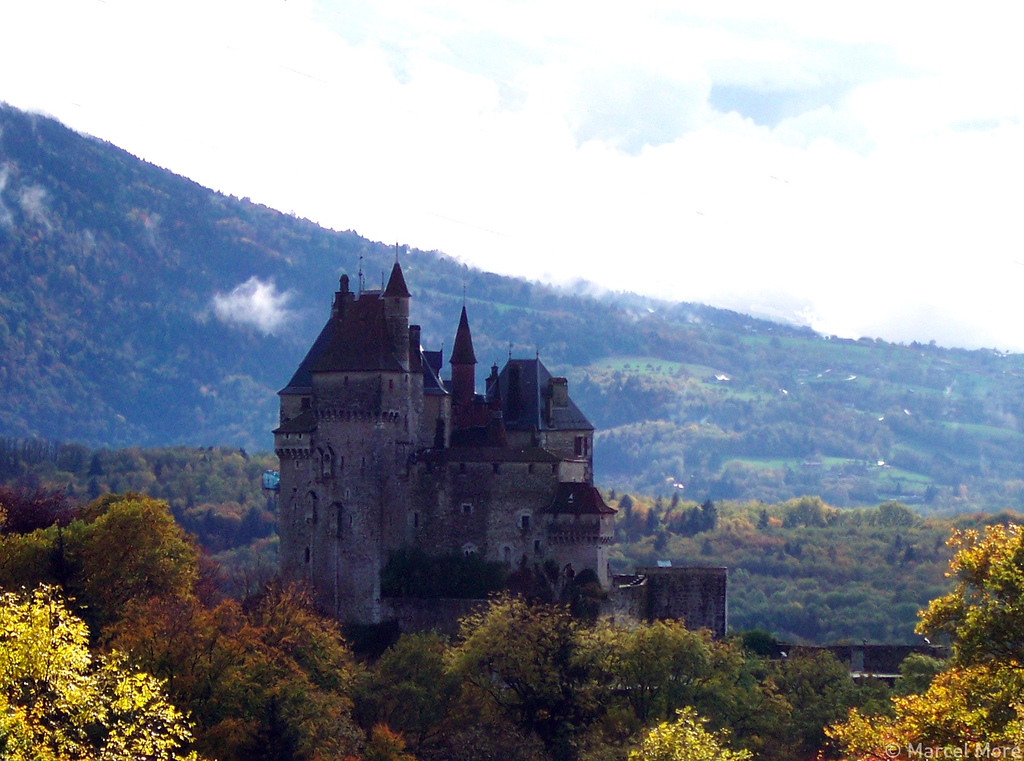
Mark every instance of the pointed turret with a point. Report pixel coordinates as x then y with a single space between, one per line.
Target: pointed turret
462 352
463 363
396 284
396 312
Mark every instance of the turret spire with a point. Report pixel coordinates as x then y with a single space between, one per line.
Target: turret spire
462 351
463 363
396 283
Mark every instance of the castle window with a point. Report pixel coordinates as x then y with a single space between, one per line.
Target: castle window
495 467
578 449
462 467
307 554
339 518
298 464
346 380
524 522
415 518
507 554
554 469
529 468
391 384
536 546
467 508
305 402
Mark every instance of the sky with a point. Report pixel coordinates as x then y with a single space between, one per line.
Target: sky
854 167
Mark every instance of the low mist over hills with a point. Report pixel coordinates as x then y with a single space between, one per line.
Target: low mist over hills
138 308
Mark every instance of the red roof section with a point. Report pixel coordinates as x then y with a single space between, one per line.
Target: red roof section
579 499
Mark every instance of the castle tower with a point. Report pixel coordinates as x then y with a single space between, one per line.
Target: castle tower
350 424
396 314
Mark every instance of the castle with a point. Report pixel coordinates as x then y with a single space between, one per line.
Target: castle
379 453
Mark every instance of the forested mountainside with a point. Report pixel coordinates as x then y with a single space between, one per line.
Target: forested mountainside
139 308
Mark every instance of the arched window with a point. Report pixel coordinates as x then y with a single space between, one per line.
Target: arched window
327 469
469 550
311 508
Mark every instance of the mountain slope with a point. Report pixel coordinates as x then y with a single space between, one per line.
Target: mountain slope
138 308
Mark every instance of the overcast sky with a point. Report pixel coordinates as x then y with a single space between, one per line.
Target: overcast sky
857 169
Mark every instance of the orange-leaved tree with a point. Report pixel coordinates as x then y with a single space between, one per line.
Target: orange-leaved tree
978 701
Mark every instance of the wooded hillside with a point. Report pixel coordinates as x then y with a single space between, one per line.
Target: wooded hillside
140 309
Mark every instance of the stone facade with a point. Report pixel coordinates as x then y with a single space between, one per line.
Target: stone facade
379 453
696 595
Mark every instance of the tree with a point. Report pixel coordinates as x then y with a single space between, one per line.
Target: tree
119 551
58 702
268 681
916 674
976 700
658 667
24 510
529 662
984 614
128 549
410 689
685 739
973 706
386 745
819 691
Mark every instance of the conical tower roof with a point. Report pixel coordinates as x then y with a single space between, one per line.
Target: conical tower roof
462 351
396 284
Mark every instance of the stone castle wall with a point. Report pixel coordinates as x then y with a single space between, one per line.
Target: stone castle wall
695 595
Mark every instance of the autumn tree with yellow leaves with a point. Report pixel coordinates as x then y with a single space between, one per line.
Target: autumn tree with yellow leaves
977 703
57 701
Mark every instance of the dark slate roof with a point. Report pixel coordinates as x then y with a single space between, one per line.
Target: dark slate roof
303 423
358 340
578 499
432 383
396 283
462 351
523 401
302 380
473 436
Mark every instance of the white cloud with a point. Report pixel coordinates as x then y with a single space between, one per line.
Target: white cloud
254 303
33 202
862 161
6 218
